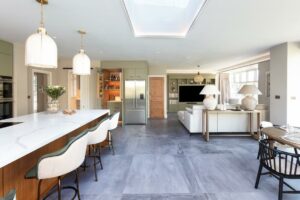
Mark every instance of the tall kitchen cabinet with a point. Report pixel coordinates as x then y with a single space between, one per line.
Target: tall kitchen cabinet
134 87
135 96
6 59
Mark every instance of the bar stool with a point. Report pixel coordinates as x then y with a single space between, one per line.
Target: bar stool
11 195
113 124
59 163
97 135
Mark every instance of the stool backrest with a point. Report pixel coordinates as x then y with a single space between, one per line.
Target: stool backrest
65 160
98 133
277 161
113 122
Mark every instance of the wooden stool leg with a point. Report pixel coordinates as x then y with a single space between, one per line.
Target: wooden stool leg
59 188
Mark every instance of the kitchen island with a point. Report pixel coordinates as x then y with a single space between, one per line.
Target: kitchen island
21 145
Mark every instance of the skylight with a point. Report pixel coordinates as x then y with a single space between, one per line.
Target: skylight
162 18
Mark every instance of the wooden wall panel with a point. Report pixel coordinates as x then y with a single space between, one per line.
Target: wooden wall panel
12 175
1 183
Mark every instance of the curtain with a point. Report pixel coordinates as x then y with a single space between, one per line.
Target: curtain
224 86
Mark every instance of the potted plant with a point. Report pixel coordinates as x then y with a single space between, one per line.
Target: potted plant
54 92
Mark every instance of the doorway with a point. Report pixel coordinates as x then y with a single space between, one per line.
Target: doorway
73 91
156 92
40 99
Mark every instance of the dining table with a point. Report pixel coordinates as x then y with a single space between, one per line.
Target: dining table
283 136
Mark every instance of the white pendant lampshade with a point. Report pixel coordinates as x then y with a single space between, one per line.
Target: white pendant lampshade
81 64
41 50
249 102
210 102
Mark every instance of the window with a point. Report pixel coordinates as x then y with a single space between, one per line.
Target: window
240 77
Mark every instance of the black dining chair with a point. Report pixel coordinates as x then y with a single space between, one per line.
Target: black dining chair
263 124
281 165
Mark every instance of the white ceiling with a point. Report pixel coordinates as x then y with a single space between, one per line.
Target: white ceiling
224 32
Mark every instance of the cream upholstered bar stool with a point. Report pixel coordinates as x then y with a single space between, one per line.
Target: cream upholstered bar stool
59 163
11 195
113 124
96 135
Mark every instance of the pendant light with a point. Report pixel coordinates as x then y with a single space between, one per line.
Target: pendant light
40 48
81 62
198 78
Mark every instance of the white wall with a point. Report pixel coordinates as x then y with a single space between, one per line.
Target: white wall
88 89
278 80
293 84
20 81
88 95
285 81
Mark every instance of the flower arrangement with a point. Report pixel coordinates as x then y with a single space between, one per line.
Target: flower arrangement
55 91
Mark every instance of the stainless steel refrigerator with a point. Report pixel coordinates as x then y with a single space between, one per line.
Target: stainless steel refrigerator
135 102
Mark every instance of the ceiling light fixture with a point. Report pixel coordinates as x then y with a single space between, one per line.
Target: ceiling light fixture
198 78
81 62
40 48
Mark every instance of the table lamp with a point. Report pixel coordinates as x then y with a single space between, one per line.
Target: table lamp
249 102
210 102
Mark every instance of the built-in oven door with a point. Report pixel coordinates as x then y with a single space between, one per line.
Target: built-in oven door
6 87
6 110
7 90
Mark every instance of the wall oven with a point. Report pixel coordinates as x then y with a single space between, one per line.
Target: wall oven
6 97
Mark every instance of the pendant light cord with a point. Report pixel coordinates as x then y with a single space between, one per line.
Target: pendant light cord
81 40
42 14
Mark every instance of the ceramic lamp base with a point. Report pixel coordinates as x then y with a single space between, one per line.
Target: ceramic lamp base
210 102
249 103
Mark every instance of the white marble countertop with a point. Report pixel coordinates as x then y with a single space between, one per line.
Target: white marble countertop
38 130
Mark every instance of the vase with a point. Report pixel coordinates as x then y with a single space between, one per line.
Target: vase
53 106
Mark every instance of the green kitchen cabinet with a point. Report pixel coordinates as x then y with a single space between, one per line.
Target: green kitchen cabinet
6 65
6 48
6 58
135 73
141 73
129 73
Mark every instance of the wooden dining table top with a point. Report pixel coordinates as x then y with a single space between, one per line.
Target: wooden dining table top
283 137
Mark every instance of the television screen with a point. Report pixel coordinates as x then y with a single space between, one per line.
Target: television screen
191 93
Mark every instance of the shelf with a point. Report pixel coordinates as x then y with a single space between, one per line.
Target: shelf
111 89
112 81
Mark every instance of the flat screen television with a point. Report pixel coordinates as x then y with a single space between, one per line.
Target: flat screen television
190 93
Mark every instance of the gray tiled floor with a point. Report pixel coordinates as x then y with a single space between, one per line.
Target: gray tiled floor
161 161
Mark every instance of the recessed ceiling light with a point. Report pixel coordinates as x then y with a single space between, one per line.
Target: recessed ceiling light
162 18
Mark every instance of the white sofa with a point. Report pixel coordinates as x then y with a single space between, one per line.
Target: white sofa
191 118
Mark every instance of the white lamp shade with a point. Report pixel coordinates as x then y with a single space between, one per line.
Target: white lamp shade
249 89
81 64
210 90
40 50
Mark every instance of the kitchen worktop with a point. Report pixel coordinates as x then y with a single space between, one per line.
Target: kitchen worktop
38 130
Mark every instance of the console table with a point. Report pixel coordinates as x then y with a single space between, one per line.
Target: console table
205 120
